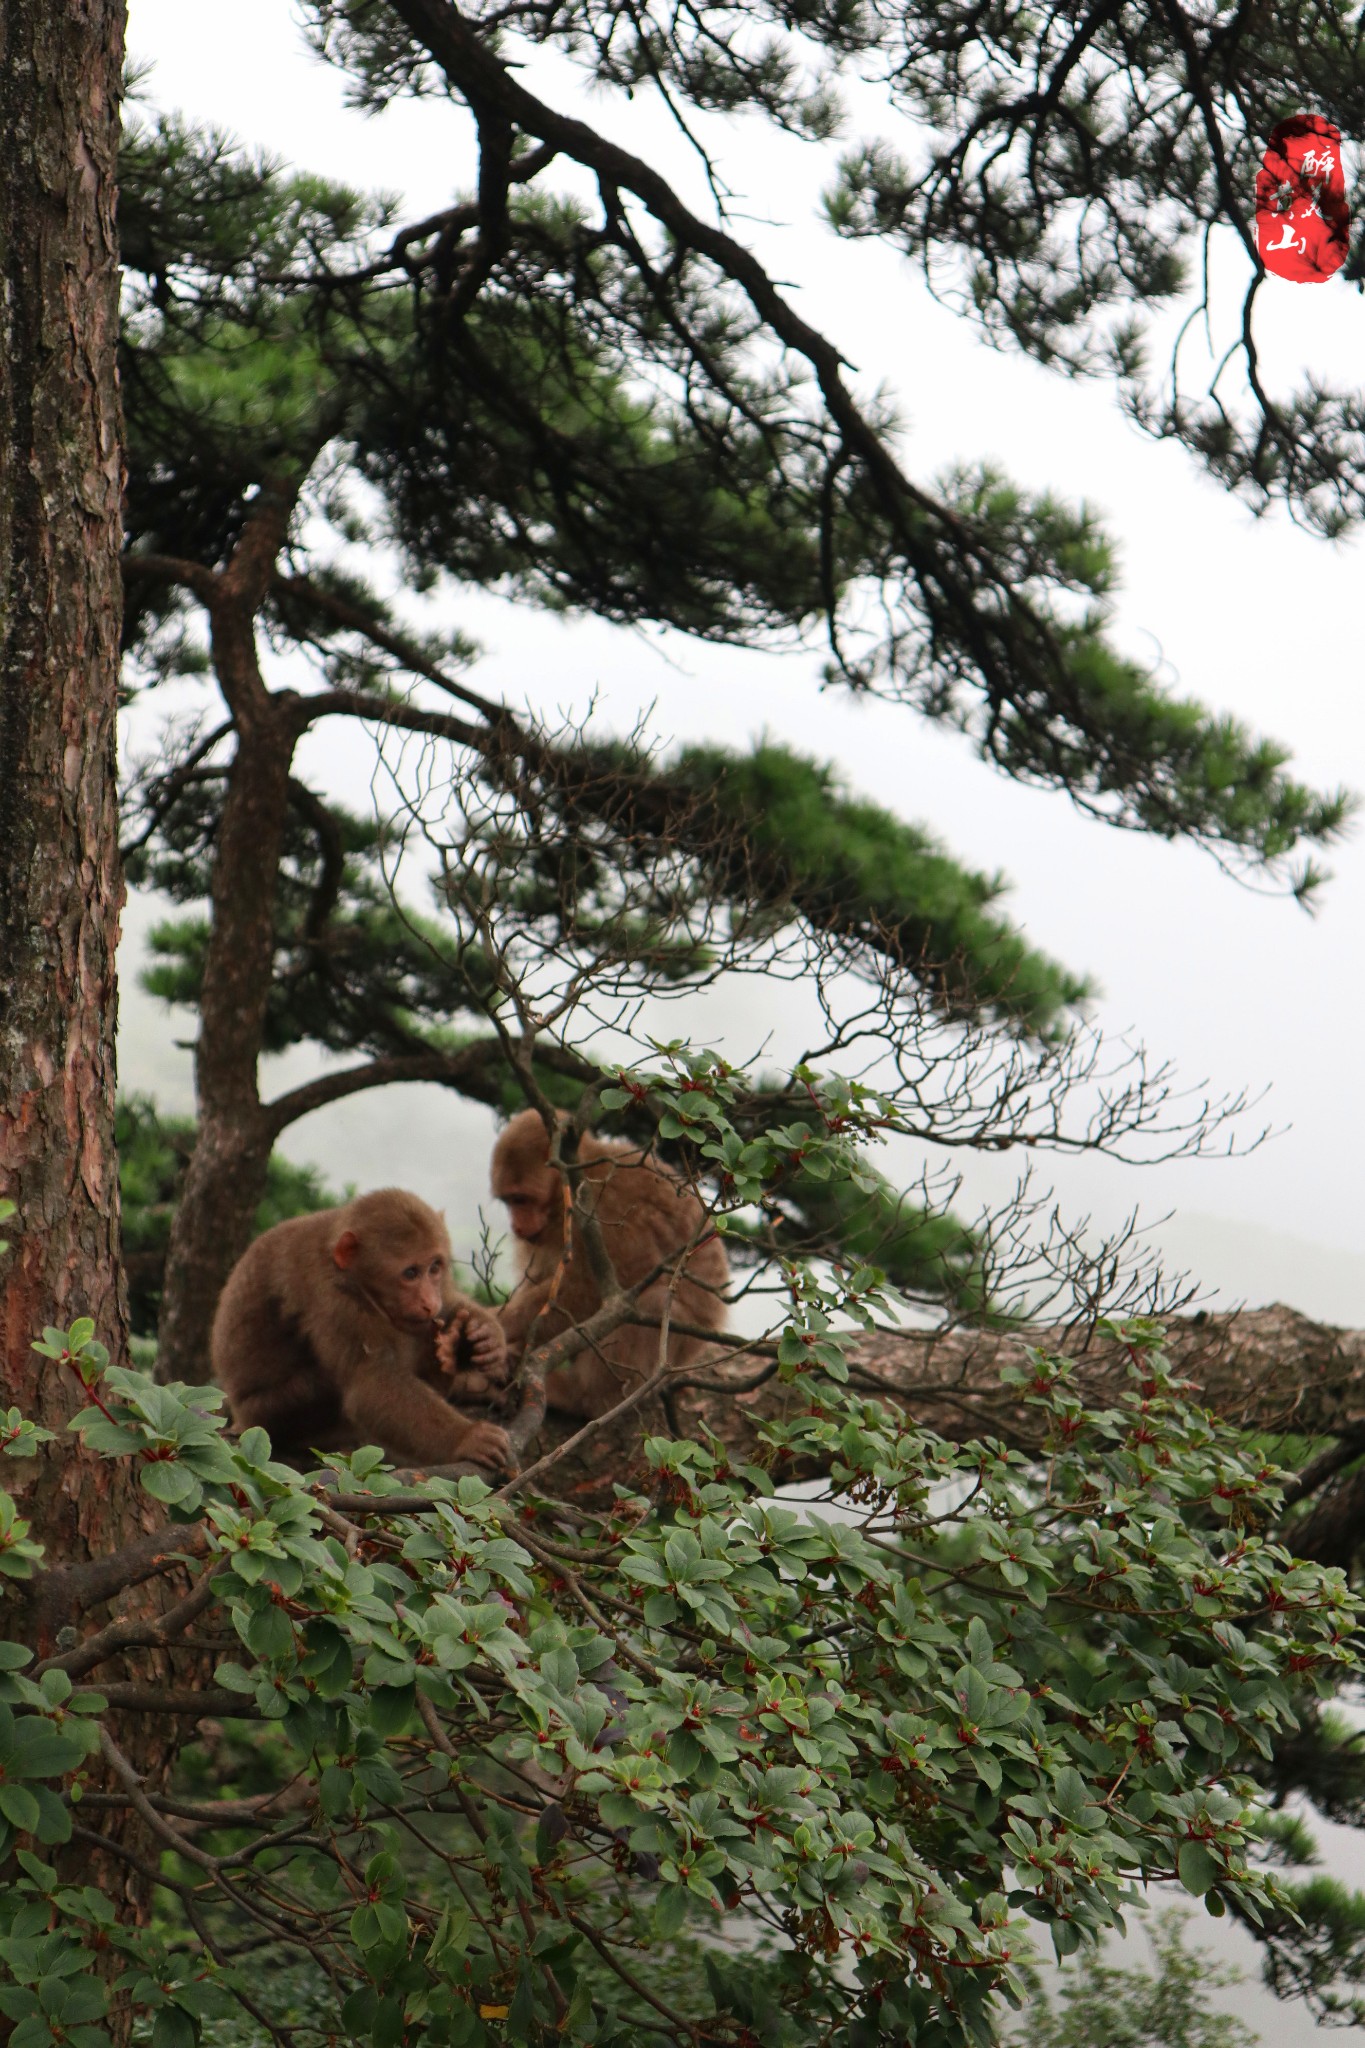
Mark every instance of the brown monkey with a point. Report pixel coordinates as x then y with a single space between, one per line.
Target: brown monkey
326 1335
647 1219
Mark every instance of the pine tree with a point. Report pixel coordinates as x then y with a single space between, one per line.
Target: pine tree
604 391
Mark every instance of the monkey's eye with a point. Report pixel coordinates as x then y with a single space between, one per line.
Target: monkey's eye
411 1272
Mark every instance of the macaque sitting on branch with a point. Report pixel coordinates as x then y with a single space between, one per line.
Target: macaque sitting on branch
650 1224
325 1335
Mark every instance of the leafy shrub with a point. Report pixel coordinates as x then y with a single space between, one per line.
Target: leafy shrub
702 1765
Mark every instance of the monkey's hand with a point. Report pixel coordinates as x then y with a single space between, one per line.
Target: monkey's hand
487 1344
485 1444
487 1350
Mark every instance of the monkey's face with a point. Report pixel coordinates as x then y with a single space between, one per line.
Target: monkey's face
530 1207
414 1293
395 1259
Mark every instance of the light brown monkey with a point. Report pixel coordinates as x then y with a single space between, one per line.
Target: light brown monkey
326 1335
647 1218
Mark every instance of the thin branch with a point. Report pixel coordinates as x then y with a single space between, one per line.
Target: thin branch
142 1806
353 618
121 1634
597 1423
69 1591
388 711
211 1703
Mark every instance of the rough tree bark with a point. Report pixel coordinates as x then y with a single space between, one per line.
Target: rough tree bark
60 882
1268 1369
60 885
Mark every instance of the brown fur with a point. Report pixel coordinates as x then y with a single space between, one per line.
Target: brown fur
325 1335
647 1217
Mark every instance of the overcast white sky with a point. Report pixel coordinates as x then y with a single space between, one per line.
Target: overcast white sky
1256 618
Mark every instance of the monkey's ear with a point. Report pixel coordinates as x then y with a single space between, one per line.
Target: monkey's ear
346 1250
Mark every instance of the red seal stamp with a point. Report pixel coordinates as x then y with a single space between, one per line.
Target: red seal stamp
1302 222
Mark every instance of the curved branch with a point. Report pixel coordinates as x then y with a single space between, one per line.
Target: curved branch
469 1075
212 1702
486 82
1198 82
1330 1532
477 1070
451 221
158 1634
58 1596
162 790
140 568
387 711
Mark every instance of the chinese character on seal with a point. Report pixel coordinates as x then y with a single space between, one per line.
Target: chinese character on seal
1302 222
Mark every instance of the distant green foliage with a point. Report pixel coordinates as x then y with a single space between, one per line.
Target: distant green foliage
923 1252
1315 1947
354 972
1099 2005
770 836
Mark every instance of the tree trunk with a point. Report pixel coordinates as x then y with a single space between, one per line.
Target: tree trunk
226 1177
60 883
224 1183
1268 1369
